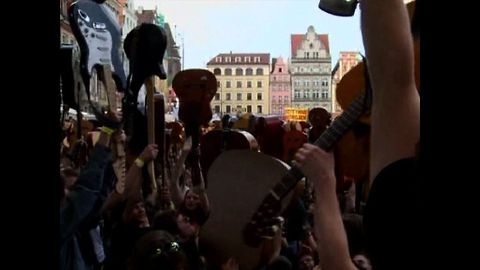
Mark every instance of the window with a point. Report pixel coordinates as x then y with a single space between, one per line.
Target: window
308 55
238 59
228 97
324 94
249 84
259 71
246 59
259 84
280 70
228 108
256 59
217 109
297 83
228 84
249 96
228 71
218 84
239 96
306 94
218 59
297 93
217 71
228 59
217 96
285 98
259 109
274 78
249 71
249 108
315 94
324 82
259 96
239 72
239 84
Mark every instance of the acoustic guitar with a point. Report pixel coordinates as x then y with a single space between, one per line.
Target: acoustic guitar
195 89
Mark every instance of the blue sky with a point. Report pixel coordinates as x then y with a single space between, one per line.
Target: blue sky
210 27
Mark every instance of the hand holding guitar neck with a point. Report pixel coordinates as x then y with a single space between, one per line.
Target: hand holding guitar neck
145 47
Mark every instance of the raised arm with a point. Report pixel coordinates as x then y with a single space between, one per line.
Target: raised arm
396 103
317 166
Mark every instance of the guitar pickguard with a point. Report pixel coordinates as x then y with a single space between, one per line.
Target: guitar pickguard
99 41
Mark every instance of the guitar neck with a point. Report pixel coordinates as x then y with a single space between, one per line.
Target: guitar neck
326 141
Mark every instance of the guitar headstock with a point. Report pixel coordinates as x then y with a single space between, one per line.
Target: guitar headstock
145 47
99 36
263 223
195 87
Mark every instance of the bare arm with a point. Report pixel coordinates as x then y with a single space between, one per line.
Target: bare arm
396 103
317 165
134 179
178 192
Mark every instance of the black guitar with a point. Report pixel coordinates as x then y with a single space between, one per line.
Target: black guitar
99 36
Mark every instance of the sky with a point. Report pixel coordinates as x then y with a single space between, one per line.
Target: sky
210 27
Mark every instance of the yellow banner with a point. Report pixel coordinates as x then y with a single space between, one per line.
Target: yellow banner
296 114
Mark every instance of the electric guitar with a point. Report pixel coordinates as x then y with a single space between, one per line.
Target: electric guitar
99 36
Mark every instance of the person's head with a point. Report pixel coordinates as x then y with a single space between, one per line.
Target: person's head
187 227
135 214
362 262
306 259
157 250
280 263
166 221
192 200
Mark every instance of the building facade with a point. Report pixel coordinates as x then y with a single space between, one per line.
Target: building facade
280 87
346 61
310 66
243 83
128 21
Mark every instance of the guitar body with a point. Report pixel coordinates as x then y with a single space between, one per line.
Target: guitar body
218 141
292 141
238 179
99 36
269 134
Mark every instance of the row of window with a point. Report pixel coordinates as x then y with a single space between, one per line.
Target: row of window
237 59
238 71
311 70
239 108
314 83
324 95
285 98
307 55
228 96
228 84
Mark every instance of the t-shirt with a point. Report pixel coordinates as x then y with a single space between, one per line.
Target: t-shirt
391 220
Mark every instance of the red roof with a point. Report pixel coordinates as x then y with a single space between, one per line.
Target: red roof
296 39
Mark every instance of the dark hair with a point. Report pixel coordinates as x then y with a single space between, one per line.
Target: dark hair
157 250
280 263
